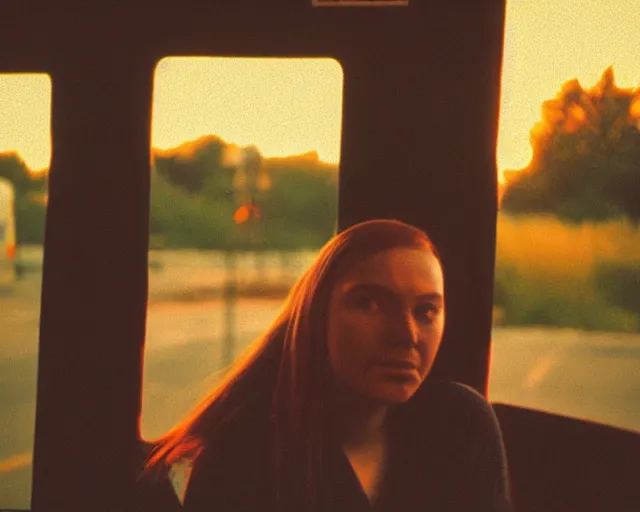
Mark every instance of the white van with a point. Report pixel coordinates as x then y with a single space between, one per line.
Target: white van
7 234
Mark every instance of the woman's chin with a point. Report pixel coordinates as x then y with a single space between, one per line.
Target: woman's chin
393 393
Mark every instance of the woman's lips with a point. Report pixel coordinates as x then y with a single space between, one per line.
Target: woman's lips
408 365
399 369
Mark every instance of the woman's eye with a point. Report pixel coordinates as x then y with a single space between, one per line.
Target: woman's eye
426 312
366 303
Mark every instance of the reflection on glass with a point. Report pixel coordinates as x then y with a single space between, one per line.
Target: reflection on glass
25 103
244 193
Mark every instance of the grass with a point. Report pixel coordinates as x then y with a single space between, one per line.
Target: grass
546 273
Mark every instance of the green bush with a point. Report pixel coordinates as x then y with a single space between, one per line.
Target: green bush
30 221
185 221
619 284
553 273
299 211
531 300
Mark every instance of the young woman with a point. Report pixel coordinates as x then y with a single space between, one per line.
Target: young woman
332 409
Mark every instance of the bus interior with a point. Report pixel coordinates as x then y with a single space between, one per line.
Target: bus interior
408 72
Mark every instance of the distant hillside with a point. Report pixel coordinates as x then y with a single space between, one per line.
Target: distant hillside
190 149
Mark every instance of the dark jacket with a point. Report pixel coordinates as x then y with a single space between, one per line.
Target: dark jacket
445 455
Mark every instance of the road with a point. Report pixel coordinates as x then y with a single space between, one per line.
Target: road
587 375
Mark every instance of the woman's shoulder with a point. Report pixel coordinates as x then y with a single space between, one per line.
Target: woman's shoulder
450 393
445 393
451 431
454 424
450 407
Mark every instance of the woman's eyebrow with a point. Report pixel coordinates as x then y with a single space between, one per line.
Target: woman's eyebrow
383 290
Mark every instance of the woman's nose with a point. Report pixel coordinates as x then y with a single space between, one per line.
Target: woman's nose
403 329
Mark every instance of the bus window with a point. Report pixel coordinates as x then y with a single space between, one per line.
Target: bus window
25 148
566 335
243 194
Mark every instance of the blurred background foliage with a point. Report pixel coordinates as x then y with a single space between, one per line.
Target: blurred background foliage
568 247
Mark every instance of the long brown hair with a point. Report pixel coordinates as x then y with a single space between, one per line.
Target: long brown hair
291 360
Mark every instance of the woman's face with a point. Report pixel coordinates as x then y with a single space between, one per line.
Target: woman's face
385 324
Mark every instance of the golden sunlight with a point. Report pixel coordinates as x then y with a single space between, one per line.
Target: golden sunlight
25 116
283 106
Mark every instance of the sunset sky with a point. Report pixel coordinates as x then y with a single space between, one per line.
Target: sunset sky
293 106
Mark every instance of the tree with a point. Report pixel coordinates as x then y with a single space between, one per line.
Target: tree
192 164
30 198
15 170
586 156
193 202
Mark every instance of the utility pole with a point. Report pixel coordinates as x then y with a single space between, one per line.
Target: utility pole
249 176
